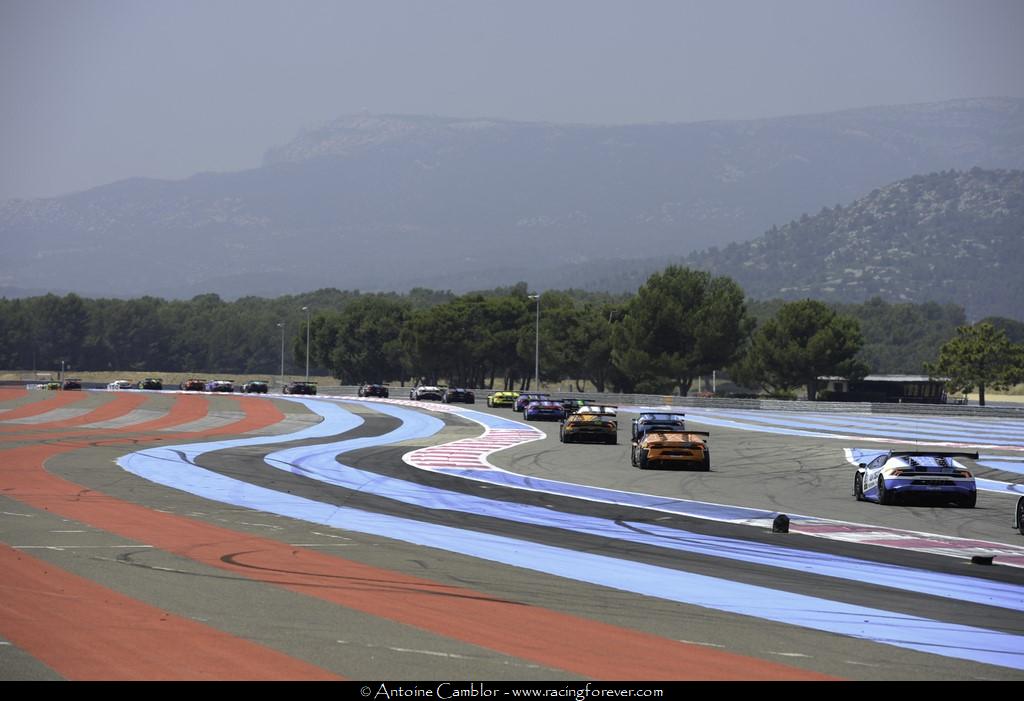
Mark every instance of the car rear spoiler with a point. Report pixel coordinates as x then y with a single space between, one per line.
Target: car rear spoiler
931 454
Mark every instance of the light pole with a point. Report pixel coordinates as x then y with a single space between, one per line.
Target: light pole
306 309
281 326
536 347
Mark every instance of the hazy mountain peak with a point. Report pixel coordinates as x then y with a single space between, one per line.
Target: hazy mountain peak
354 133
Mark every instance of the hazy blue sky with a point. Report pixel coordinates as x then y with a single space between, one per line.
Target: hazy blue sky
92 91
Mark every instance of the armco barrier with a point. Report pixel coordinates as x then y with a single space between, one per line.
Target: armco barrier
754 404
398 392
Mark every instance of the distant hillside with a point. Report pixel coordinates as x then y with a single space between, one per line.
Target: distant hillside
945 237
393 202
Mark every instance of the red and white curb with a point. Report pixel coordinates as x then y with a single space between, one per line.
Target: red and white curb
465 453
470 452
949 546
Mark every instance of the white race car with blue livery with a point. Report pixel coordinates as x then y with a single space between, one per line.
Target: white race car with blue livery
897 475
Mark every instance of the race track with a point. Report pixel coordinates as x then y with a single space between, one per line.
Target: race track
159 535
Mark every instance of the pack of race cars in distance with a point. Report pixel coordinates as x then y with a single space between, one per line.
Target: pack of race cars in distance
510 399
902 475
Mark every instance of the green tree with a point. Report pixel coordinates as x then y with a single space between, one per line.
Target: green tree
682 323
592 345
505 317
57 328
559 319
1013 328
802 342
363 342
978 356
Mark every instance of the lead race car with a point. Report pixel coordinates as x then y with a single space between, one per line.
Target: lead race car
898 474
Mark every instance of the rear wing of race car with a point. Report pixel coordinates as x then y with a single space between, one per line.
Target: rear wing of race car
682 431
931 454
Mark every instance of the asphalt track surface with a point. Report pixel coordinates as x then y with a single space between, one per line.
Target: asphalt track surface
107 575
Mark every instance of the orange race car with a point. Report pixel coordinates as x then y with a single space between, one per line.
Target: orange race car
682 448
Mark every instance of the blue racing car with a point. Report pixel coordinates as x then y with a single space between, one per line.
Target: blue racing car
544 410
897 475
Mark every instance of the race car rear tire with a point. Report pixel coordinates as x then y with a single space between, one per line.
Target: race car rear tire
705 464
885 497
1020 515
969 501
858 486
614 440
643 460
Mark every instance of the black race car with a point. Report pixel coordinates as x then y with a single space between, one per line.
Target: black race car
300 388
151 383
573 404
72 383
458 394
649 422
373 391
255 387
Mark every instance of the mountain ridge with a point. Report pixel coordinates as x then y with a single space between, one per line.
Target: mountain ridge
389 202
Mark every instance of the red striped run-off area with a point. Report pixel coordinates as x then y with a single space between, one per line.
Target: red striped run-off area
83 630
471 452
